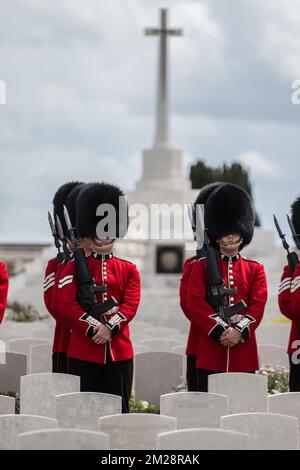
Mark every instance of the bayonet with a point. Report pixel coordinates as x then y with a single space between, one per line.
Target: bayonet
292 257
285 244
54 232
70 228
62 238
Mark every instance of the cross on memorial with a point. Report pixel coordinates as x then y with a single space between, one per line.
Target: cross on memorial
162 121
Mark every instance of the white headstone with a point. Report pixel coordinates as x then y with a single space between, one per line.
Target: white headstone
40 358
5 338
14 366
179 349
246 392
277 334
273 355
161 332
38 392
46 333
202 439
159 344
7 405
194 409
23 345
82 410
12 425
138 348
135 431
63 439
138 327
157 373
267 431
285 403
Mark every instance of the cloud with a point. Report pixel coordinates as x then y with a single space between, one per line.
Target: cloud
81 86
260 166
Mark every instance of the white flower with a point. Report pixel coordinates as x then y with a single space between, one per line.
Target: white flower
144 404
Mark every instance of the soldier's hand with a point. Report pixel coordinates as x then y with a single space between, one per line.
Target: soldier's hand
230 337
102 334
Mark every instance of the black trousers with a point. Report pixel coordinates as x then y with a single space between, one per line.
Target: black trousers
54 362
59 362
294 381
191 375
202 379
113 377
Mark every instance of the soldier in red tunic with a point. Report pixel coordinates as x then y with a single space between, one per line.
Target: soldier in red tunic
3 289
192 343
52 274
222 346
64 329
289 304
100 352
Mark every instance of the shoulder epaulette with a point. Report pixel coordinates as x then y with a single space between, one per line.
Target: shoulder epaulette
251 259
200 259
125 260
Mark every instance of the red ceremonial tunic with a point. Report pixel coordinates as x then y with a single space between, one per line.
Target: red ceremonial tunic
123 283
49 290
3 289
249 278
192 343
289 304
62 332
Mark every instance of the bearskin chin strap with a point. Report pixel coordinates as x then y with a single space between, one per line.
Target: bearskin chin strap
230 245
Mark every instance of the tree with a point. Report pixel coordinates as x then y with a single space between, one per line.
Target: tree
202 174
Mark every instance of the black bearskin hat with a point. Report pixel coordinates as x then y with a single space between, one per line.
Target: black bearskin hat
60 199
202 197
89 199
229 210
295 209
71 202
206 191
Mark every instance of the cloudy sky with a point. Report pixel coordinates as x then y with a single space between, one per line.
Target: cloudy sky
80 88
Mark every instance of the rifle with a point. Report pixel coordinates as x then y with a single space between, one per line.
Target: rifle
292 257
63 239
87 289
216 291
60 256
195 215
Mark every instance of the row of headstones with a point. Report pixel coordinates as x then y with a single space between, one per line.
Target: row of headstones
140 331
150 432
272 424
245 393
155 373
39 351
